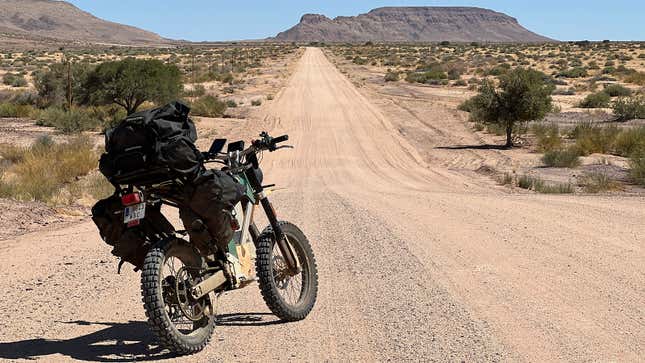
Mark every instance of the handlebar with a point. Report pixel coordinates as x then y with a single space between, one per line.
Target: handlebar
266 142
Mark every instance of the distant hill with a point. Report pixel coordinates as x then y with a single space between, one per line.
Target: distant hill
62 20
413 24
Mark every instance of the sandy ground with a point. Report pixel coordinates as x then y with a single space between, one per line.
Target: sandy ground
417 260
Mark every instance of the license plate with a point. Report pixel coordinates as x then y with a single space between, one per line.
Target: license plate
134 213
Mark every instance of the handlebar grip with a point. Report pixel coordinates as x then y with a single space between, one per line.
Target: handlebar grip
280 139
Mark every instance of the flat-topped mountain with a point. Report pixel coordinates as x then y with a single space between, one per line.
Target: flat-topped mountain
413 24
62 20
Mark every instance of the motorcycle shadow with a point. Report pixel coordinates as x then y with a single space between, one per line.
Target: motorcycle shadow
118 342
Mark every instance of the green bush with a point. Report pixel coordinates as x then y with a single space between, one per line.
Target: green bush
563 158
208 106
256 102
391 76
616 90
596 100
426 77
629 108
231 104
72 121
359 60
577 72
15 110
14 80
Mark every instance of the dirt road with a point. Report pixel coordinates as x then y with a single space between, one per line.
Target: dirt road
417 262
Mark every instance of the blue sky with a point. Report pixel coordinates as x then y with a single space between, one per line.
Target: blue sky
243 19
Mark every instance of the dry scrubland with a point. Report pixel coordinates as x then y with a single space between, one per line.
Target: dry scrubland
593 140
224 84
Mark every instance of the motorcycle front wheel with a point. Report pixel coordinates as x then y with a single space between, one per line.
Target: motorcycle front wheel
289 296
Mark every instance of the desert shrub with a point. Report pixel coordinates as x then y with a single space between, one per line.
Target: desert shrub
460 83
359 60
616 90
547 136
596 100
637 167
14 80
427 76
630 141
561 158
636 78
257 102
391 76
629 108
15 110
599 182
534 183
72 121
208 106
45 167
596 139
197 91
577 72
231 104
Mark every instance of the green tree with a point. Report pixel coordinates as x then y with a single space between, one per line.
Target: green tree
523 95
131 82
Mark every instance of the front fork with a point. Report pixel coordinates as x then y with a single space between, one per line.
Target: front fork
287 252
280 238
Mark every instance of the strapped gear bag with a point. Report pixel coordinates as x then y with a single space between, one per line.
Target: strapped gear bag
152 146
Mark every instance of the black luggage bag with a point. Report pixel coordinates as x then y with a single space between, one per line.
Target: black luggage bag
152 146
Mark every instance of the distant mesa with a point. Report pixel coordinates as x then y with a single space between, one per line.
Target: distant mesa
413 24
62 20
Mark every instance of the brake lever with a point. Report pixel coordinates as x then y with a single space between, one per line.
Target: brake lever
284 147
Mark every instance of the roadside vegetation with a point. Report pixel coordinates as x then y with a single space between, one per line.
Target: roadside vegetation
49 172
80 90
509 88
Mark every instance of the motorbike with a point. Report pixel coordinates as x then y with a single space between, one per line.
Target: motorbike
180 283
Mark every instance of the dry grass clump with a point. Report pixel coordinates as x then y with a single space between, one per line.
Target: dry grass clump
598 182
637 164
536 184
40 171
562 158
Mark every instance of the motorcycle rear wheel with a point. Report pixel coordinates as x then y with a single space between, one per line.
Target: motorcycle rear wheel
165 290
290 298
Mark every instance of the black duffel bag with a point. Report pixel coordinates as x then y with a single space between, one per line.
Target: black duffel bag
152 146
130 244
